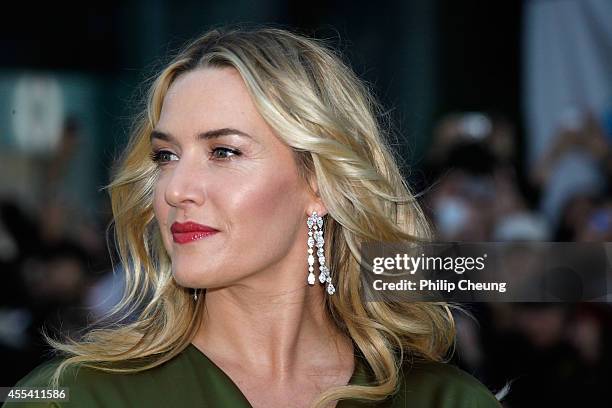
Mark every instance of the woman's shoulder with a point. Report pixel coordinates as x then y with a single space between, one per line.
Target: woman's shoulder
443 385
39 377
92 387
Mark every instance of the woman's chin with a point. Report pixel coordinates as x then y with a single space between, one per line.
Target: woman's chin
189 279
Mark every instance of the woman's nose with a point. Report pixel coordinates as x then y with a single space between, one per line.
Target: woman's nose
184 186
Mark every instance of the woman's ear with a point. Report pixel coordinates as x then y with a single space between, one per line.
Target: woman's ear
319 208
316 203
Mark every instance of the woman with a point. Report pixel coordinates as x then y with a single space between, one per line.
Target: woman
258 154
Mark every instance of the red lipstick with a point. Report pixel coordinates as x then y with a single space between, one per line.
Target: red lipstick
185 232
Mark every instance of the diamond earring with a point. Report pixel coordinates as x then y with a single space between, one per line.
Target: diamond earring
195 295
315 237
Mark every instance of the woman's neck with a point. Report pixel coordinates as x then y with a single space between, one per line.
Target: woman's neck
279 335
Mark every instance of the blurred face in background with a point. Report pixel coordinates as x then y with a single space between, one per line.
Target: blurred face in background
223 172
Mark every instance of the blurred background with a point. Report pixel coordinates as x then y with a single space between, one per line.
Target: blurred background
501 113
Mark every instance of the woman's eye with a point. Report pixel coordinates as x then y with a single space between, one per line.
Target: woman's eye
163 156
224 153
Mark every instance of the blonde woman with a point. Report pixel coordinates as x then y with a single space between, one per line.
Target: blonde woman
252 177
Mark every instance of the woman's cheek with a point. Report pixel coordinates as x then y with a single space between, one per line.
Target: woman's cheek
160 212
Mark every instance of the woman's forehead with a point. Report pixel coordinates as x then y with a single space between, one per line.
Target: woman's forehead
216 90
210 98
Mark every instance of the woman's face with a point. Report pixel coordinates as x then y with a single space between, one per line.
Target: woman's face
221 166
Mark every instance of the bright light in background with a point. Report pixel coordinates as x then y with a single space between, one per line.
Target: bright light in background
475 125
38 112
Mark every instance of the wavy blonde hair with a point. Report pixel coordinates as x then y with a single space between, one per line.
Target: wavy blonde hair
318 107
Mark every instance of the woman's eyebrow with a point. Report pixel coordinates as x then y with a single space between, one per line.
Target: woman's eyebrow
209 134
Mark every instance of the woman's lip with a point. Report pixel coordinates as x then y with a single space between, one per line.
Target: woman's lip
186 237
190 226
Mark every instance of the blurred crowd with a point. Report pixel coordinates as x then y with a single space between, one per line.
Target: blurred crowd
51 258
553 354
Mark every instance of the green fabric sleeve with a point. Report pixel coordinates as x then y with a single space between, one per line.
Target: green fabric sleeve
427 384
440 385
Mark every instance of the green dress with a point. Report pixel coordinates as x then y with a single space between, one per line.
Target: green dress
191 379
